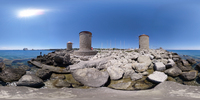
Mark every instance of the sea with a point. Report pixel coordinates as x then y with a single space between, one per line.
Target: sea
195 54
20 57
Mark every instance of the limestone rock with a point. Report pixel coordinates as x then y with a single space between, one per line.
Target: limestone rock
159 66
191 61
157 77
30 80
142 85
2 66
43 74
136 76
61 83
11 74
144 59
185 63
115 72
90 77
198 66
140 67
189 75
164 61
174 71
121 86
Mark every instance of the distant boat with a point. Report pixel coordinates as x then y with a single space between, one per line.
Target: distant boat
25 49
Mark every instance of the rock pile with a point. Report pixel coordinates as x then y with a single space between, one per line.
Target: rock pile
117 69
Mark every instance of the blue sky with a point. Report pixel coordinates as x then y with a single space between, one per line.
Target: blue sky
171 24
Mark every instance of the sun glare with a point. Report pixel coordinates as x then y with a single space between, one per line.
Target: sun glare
30 12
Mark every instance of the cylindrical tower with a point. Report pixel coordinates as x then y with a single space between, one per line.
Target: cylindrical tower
69 45
144 41
85 44
85 40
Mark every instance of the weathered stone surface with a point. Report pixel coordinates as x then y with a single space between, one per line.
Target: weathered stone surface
185 69
121 86
142 85
189 75
62 60
30 80
185 63
140 67
50 68
157 77
191 61
115 72
43 74
164 61
2 66
144 59
136 76
174 71
11 74
61 83
198 66
99 63
159 66
90 77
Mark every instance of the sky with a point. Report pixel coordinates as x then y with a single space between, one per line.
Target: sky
50 24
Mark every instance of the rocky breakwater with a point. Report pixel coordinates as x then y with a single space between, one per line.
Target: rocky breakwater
116 69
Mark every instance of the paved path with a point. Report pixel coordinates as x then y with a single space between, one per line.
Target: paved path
164 91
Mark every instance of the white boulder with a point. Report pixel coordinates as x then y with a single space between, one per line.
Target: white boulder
157 77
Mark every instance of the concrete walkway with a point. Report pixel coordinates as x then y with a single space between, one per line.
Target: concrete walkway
164 91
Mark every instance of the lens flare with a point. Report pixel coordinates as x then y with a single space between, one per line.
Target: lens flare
31 12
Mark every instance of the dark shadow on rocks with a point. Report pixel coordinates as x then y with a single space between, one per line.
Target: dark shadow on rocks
107 83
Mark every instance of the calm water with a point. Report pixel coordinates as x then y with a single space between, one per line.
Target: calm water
19 57
20 54
193 53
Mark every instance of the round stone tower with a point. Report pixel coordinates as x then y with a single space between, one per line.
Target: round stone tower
69 45
85 39
144 41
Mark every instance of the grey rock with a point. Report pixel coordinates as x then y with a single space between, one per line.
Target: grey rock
144 73
136 76
159 66
164 61
99 63
174 71
185 63
43 74
140 67
157 77
90 77
198 66
61 83
128 73
62 60
184 68
176 59
30 80
191 75
11 74
115 72
50 68
121 86
191 61
144 59
142 85
2 66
